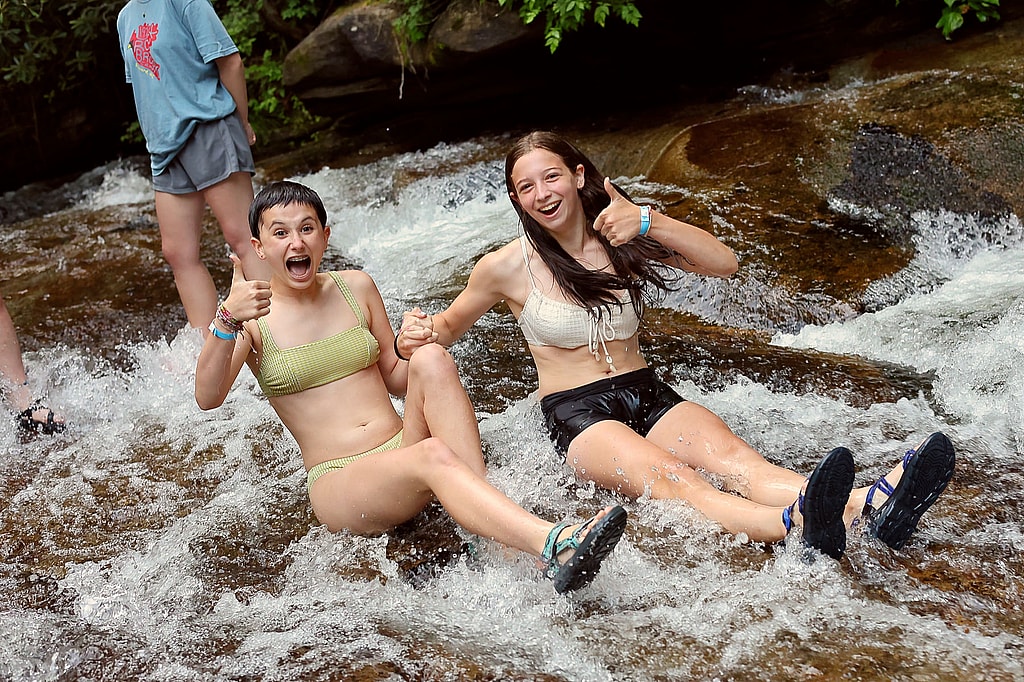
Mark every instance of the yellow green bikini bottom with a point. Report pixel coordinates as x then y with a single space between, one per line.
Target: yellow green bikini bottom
322 468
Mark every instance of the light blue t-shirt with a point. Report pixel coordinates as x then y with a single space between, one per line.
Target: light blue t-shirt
169 47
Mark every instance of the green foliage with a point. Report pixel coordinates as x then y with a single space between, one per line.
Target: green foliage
263 52
42 49
242 20
419 15
298 10
560 16
565 16
133 134
953 13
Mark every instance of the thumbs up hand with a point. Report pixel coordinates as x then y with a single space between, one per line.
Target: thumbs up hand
619 222
248 299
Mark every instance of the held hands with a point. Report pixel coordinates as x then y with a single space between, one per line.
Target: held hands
417 330
248 299
619 222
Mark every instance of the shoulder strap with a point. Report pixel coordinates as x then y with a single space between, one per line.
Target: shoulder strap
349 296
267 339
526 259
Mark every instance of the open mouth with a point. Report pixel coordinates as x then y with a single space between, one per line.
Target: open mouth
550 208
298 265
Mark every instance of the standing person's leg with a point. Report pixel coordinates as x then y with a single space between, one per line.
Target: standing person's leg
221 164
32 414
214 167
181 219
230 200
12 367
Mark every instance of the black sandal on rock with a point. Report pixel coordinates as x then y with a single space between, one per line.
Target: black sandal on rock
28 422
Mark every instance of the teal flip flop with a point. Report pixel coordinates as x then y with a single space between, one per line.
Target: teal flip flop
590 550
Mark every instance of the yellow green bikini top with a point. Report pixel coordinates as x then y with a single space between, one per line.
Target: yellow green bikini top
290 370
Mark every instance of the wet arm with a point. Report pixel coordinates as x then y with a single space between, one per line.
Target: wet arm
221 359
697 250
218 367
395 372
482 292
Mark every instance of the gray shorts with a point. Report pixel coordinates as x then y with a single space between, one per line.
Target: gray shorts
214 151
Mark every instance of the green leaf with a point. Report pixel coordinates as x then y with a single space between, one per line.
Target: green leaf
950 21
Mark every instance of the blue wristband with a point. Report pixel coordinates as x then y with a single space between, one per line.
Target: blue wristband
645 219
221 335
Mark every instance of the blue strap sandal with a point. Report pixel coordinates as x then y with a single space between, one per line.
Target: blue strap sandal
927 471
590 550
823 502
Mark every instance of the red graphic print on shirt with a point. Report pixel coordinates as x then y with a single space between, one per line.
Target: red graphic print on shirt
142 44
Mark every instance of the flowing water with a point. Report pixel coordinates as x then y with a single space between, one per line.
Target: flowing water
154 541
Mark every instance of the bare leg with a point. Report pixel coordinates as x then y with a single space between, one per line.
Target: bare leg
12 367
700 438
376 493
181 217
379 491
436 405
230 200
615 457
13 379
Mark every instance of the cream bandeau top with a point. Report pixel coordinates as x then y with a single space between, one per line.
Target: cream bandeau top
550 322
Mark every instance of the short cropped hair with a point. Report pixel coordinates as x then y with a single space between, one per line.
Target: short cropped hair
283 193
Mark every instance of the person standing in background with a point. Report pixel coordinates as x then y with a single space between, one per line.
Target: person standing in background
188 80
33 415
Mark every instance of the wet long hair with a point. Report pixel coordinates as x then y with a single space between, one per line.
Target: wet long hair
284 193
636 265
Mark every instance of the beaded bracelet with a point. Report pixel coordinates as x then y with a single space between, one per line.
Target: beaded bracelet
229 320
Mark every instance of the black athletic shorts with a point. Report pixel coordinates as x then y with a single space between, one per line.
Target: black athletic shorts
637 399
